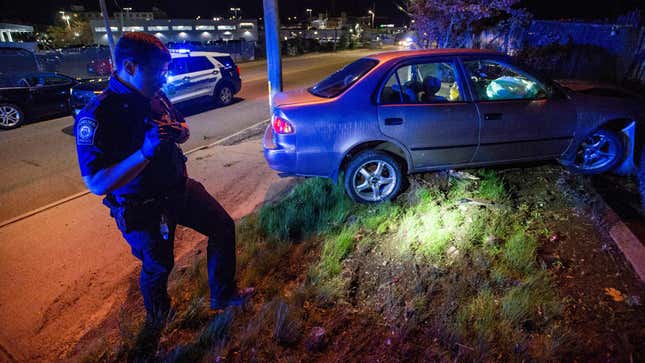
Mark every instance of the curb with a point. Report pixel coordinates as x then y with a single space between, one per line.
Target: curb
631 247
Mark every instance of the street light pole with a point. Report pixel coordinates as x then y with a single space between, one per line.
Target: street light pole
272 39
372 16
108 30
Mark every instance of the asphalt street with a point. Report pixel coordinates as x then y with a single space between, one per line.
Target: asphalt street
39 160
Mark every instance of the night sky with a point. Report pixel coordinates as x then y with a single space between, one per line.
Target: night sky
43 12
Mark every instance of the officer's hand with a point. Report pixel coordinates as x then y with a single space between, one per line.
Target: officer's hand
179 132
155 136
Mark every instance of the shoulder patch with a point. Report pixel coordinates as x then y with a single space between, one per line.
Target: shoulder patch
86 130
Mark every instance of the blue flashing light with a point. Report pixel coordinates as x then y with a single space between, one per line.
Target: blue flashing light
181 51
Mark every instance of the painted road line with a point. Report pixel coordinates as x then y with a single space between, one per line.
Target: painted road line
85 192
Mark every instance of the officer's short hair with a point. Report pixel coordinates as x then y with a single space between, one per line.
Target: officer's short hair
140 48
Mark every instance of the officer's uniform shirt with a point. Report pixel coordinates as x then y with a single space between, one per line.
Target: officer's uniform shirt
112 127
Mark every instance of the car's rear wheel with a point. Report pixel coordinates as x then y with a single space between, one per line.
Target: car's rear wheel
599 152
224 95
372 177
11 116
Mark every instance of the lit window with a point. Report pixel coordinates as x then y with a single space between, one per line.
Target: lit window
205 27
101 29
226 27
157 28
182 27
132 28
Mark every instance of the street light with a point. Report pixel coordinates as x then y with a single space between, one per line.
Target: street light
372 15
235 10
66 18
309 13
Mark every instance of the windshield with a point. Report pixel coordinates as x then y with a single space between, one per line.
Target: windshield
339 81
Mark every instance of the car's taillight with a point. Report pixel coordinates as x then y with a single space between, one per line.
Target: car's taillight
281 126
238 70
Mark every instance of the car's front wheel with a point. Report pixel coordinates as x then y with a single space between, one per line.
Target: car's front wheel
372 177
599 152
224 95
10 116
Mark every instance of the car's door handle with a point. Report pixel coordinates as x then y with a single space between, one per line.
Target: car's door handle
215 71
493 116
186 79
394 121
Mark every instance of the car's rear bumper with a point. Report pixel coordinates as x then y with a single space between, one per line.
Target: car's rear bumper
280 158
237 85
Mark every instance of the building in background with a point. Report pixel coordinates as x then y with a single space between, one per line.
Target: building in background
180 30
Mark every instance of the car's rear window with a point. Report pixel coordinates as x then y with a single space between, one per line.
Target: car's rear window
342 79
226 61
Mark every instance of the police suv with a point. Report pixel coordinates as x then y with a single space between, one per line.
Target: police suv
191 75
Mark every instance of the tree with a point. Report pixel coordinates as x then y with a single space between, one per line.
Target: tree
61 35
454 23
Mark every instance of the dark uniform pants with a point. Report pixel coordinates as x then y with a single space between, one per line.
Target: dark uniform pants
194 208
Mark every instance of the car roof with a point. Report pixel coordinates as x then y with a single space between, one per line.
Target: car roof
197 54
393 55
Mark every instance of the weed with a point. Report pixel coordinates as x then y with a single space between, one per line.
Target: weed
213 336
491 187
519 252
334 250
315 206
532 301
288 327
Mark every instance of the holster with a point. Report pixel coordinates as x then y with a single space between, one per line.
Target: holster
132 214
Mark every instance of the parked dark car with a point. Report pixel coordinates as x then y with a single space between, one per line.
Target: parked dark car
394 113
32 95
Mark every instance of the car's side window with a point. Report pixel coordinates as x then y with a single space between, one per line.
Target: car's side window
196 64
493 80
177 67
422 83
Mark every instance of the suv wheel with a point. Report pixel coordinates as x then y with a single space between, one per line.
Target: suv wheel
224 95
10 116
599 152
372 177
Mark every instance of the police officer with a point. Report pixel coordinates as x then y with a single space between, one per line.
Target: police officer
127 143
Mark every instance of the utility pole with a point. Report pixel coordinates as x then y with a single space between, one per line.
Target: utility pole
108 30
272 39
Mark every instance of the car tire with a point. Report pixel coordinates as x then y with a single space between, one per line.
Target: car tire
372 177
224 95
599 152
11 116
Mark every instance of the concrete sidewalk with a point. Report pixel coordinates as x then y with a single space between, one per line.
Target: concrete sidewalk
62 270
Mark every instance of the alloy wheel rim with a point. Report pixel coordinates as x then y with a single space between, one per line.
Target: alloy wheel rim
225 95
374 180
596 152
9 116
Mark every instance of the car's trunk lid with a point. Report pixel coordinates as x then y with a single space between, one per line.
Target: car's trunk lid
296 97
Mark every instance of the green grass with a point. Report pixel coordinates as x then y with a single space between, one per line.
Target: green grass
489 296
315 206
335 249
